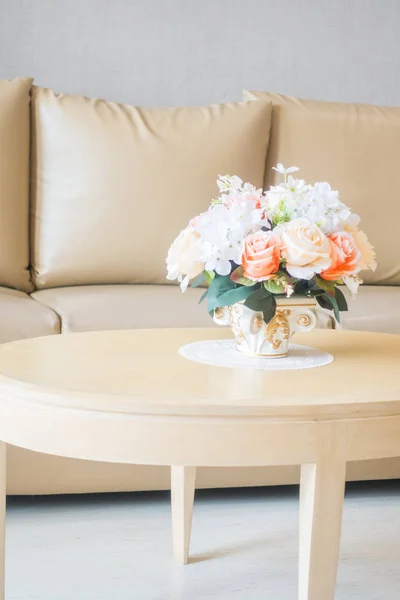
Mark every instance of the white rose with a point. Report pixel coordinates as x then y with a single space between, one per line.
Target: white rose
367 250
184 257
306 248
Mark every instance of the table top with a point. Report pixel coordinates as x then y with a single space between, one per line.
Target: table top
142 372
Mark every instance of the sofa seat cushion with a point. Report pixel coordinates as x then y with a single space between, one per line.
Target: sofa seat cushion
92 308
375 308
113 185
356 148
22 317
97 307
14 183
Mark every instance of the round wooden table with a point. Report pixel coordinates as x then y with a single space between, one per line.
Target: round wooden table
130 397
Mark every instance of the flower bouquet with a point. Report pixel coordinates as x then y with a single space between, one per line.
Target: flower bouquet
262 254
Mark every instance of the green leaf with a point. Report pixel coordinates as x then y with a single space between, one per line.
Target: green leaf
335 308
323 302
269 310
341 300
209 275
337 304
219 285
326 301
203 297
303 287
237 277
257 298
262 301
218 292
273 287
315 292
230 297
279 283
282 214
199 280
327 286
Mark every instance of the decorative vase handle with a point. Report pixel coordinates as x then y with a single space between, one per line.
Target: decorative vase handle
221 316
305 321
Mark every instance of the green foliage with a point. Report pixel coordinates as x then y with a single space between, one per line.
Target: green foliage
279 283
329 296
273 287
203 297
282 215
204 278
237 277
199 280
327 286
223 292
341 300
263 301
326 301
303 287
209 275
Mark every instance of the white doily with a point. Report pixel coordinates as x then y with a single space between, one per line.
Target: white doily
223 353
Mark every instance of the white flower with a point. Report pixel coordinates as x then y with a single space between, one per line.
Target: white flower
281 169
226 183
223 228
367 251
323 207
249 188
319 203
352 283
353 221
221 239
284 201
184 260
244 202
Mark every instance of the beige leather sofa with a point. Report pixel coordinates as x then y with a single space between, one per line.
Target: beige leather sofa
92 193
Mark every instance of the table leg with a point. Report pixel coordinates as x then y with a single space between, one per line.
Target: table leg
321 507
2 518
182 497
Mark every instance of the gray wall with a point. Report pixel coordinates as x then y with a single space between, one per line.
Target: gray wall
170 52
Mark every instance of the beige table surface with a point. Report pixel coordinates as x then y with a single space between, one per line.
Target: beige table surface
130 397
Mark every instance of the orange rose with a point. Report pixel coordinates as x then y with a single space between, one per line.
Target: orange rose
346 257
260 257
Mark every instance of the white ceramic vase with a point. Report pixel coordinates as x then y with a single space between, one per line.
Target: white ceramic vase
256 338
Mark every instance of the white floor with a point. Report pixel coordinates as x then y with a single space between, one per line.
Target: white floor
244 547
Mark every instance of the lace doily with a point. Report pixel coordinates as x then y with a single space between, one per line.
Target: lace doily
223 353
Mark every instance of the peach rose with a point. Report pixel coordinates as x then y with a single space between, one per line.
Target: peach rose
260 257
367 250
305 248
346 257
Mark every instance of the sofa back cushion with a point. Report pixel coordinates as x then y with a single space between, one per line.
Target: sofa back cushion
356 148
113 184
14 183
